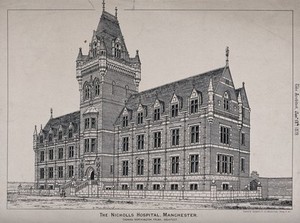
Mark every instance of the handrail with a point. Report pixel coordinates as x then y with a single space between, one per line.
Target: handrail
81 186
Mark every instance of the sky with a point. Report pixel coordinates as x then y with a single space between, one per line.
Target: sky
43 46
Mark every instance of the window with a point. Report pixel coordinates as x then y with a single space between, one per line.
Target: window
50 172
118 50
224 135
156 166
193 186
140 167
86 92
225 186
125 187
125 121
60 153
243 139
93 123
243 164
140 118
97 88
50 137
50 187
243 112
174 186
50 154
86 123
60 172
41 139
194 106
42 173
42 156
71 151
175 164
42 187
71 171
226 101
125 144
113 86
195 134
224 164
140 142
157 139
60 134
125 168
111 168
93 145
174 110
194 163
156 186
86 145
175 137
70 133
156 114
139 186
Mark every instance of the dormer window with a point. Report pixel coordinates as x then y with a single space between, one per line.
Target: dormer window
174 106
86 92
50 137
140 118
194 106
125 121
226 101
60 134
70 133
156 114
195 101
41 139
118 50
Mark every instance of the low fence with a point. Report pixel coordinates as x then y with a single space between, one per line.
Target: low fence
37 192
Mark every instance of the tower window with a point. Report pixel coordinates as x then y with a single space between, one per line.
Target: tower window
93 123
243 164
243 139
86 123
224 164
224 134
93 145
226 101
86 145
97 88
118 50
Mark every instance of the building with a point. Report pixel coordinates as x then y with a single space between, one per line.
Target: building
179 136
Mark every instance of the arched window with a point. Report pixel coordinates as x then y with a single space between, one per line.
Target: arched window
118 50
86 91
226 101
97 87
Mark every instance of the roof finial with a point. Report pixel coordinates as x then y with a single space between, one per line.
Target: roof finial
227 55
116 12
51 112
103 5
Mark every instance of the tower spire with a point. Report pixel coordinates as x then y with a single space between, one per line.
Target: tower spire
103 5
116 12
227 55
51 113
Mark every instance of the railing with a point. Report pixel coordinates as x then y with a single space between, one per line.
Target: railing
81 186
66 185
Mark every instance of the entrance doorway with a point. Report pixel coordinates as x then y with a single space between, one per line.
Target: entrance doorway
92 175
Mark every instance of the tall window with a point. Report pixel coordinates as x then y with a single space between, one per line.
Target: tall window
93 145
224 164
157 139
71 171
70 133
125 168
86 92
175 164
41 139
42 156
60 153
243 139
86 123
175 137
194 163
226 101
156 114
194 106
97 88
93 123
71 151
224 134
60 172
174 110
50 154
140 118
140 142
60 135
125 121
50 137
118 50
42 173
243 164
140 167
125 144
86 145
50 172
195 134
193 186
156 166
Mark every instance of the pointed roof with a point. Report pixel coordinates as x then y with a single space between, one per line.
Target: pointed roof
243 95
79 57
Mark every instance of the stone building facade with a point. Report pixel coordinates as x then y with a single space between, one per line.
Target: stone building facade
179 136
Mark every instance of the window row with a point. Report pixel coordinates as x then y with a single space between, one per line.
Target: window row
60 154
192 186
60 172
50 137
156 165
157 139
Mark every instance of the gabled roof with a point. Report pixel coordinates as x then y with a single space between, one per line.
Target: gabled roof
182 87
243 96
64 121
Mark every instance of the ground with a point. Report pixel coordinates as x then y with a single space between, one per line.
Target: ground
16 201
